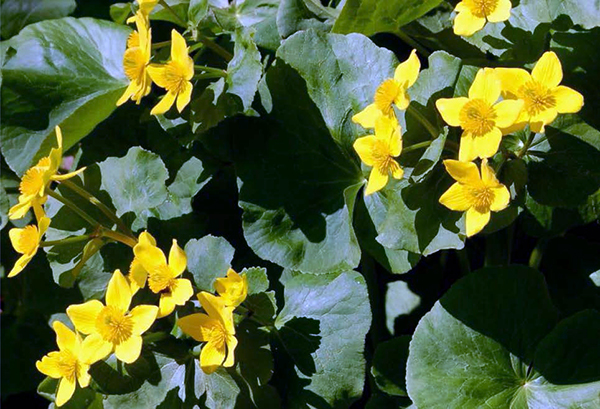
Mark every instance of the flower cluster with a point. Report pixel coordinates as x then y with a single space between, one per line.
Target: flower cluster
174 76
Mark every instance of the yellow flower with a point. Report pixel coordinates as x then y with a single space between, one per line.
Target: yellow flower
135 62
174 76
145 8
233 289
162 276
480 117
137 273
391 91
379 151
216 329
36 180
70 364
26 241
473 14
113 327
543 96
475 193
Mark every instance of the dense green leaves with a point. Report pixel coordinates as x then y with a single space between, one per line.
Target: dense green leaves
208 258
339 303
74 84
16 14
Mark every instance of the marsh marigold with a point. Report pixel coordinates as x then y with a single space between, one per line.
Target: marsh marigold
473 14
232 289
540 91
26 241
136 60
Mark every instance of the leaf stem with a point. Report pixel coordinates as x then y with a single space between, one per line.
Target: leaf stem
161 44
96 202
227 56
412 42
93 222
527 145
115 235
424 121
212 70
207 76
68 240
535 259
167 7
416 146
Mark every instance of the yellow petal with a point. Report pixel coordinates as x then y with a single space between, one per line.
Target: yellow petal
19 210
83 376
20 264
182 291
501 13
84 315
548 70
463 172
177 259
476 221
179 50
150 256
487 145
368 116
165 104
166 305
50 365
539 121
129 91
211 357
501 199
488 176
507 112
511 79
65 391
56 153
137 276
568 100
129 351
197 326
408 72
466 24
118 293
43 224
146 238
363 147
387 128
65 338
184 97
456 198
157 73
397 171
143 317
15 239
377 181
450 109
231 344
466 151
402 101
213 305
486 86
94 348
68 175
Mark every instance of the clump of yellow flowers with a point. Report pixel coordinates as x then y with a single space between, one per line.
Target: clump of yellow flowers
216 327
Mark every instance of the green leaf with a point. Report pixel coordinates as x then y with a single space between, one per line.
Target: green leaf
180 7
399 300
389 365
339 302
135 183
208 258
490 338
298 15
282 221
372 16
16 14
197 11
244 71
74 84
258 282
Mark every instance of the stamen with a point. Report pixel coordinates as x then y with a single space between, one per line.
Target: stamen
477 117
482 8
482 198
175 77
381 154
385 96
113 325
33 180
537 97
29 239
68 365
161 279
134 64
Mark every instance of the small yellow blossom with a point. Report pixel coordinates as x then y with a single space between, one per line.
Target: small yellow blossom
216 329
36 180
70 364
162 276
135 62
26 241
480 117
473 14
379 151
174 76
233 289
112 327
475 193
145 8
137 274
391 91
543 96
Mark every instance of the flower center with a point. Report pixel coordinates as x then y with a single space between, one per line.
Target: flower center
114 326
383 160
35 178
482 8
217 335
68 365
175 77
537 97
161 279
385 96
133 40
482 198
134 64
29 240
477 117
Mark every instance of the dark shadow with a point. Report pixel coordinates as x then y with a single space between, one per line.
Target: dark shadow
300 338
113 377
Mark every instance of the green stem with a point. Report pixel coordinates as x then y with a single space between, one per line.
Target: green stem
212 70
227 56
527 145
453 146
535 259
167 7
416 146
74 207
424 121
161 44
68 240
195 47
111 234
412 42
208 76
96 202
